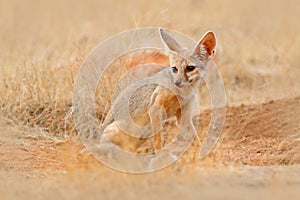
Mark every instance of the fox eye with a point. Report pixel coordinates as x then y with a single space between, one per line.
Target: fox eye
174 69
190 68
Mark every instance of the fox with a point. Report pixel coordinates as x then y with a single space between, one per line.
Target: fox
151 105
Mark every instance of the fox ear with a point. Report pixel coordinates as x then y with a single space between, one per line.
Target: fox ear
168 41
205 48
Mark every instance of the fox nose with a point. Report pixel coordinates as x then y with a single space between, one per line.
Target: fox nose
178 83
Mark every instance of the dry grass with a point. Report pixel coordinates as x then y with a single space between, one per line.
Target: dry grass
44 44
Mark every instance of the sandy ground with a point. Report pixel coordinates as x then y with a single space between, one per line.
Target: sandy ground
257 158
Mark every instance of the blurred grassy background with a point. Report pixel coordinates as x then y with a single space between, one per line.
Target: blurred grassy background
44 42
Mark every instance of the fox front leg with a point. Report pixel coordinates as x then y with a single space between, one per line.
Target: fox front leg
157 116
187 127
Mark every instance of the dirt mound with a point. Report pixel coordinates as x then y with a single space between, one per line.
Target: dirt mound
261 135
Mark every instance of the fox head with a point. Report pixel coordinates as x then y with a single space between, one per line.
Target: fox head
188 66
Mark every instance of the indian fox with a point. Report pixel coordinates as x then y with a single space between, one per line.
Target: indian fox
151 105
